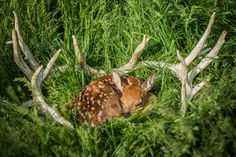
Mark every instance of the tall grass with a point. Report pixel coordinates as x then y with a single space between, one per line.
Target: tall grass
107 33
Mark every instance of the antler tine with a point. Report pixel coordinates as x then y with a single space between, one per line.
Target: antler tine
197 88
51 63
81 62
184 78
189 59
28 55
38 96
209 57
78 54
18 58
137 52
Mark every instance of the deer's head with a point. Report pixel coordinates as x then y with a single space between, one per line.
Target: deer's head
134 94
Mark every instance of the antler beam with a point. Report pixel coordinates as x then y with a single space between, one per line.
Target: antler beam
38 97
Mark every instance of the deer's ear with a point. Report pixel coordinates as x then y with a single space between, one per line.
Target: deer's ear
116 79
148 84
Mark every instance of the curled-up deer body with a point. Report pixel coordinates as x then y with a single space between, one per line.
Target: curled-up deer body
111 96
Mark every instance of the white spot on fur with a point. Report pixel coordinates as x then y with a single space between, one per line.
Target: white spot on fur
100 95
89 89
101 86
100 113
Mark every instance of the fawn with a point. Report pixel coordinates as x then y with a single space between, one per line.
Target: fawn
111 96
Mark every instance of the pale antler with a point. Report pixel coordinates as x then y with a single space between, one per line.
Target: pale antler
180 70
38 75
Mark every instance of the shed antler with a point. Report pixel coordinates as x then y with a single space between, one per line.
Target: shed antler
35 73
180 70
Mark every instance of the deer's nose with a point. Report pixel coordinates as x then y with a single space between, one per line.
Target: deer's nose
126 114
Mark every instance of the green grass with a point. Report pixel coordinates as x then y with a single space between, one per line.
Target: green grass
107 33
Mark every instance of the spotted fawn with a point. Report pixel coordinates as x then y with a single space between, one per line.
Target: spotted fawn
111 96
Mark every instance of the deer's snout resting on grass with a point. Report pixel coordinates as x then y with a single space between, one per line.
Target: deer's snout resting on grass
111 96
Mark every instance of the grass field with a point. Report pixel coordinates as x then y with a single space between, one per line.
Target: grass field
108 32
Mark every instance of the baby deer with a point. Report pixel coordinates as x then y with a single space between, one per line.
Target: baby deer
111 96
